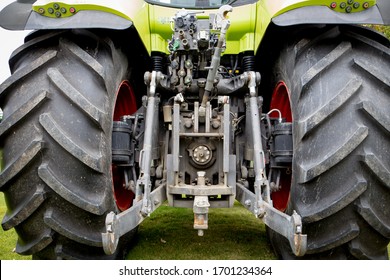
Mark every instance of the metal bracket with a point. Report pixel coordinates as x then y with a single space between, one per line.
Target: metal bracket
201 206
288 226
118 225
222 16
201 213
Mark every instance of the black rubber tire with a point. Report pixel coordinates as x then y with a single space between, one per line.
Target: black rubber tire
56 138
338 79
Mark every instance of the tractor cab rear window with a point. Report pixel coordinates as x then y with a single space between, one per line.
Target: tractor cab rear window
200 4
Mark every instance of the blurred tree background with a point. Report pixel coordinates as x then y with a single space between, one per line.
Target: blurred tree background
385 29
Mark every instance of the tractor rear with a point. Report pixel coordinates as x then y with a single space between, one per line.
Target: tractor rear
114 108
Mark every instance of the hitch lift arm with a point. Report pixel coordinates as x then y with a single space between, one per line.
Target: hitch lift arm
260 202
146 200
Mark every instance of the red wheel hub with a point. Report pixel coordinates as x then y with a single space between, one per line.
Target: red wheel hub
125 104
281 101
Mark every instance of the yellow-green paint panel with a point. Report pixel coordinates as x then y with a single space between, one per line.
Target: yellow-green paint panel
153 22
278 7
136 11
64 9
240 36
268 9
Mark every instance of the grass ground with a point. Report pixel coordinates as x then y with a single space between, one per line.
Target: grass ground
8 239
232 234
168 234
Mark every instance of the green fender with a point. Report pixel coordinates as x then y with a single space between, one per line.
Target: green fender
73 14
286 13
63 14
294 12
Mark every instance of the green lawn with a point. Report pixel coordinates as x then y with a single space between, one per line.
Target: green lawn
8 239
168 234
232 234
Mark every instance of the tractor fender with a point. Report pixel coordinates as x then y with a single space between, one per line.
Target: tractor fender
378 14
45 14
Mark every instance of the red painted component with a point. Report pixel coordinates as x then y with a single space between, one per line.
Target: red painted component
281 101
281 197
125 104
125 101
333 5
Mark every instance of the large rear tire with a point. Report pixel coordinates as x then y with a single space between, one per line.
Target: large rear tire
338 82
56 138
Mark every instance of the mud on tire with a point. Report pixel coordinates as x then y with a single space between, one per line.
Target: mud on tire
56 139
338 80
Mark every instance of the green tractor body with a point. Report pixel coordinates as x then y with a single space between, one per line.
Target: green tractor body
114 107
152 18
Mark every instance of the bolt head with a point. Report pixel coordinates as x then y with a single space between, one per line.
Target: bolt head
188 124
215 124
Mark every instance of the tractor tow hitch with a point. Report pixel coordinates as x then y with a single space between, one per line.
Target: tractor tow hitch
201 207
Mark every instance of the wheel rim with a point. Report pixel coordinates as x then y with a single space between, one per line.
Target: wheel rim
125 104
281 101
